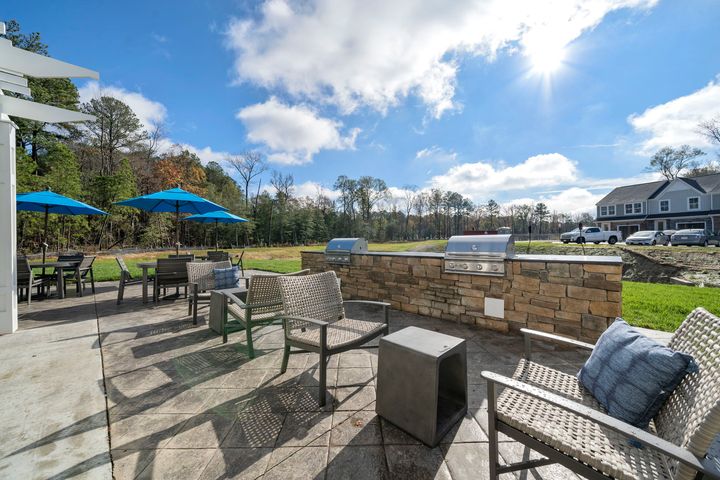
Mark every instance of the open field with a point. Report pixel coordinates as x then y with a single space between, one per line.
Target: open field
650 305
273 259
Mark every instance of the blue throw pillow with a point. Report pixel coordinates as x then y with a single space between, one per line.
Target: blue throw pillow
226 277
632 375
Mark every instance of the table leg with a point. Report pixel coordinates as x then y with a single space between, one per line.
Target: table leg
60 282
145 284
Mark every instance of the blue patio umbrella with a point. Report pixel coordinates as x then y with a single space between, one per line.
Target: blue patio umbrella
50 202
174 200
219 216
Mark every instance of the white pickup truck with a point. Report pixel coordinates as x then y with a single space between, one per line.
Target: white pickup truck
591 234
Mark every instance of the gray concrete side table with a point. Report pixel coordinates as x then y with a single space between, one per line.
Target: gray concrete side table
422 382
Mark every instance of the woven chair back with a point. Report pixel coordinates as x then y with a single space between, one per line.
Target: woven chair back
265 289
203 274
691 416
313 296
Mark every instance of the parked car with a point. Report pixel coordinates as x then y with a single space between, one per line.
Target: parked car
648 237
695 236
591 234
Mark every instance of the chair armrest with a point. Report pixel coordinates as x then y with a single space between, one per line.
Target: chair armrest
646 438
368 302
318 323
529 334
247 306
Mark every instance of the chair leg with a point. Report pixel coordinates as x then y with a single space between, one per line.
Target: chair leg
492 432
248 335
29 294
286 357
323 379
194 309
92 281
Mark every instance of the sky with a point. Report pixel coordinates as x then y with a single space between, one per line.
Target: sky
513 100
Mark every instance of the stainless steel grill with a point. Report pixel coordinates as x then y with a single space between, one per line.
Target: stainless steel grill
338 250
478 254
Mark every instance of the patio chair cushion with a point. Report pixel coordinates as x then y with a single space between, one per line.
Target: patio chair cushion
339 333
227 278
601 448
632 375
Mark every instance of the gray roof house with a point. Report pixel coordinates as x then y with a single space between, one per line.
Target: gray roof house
662 205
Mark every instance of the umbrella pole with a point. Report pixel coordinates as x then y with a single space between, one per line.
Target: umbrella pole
44 244
177 228
216 235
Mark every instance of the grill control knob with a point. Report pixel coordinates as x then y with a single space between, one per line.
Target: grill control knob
479 266
451 265
495 268
465 266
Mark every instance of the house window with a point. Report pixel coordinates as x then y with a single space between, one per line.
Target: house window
611 210
631 208
694 203
664 205
603 211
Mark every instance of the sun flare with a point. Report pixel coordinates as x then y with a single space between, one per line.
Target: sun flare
548 59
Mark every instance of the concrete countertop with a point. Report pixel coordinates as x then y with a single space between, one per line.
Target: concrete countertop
596 259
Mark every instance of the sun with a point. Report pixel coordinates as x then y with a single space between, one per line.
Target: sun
547 59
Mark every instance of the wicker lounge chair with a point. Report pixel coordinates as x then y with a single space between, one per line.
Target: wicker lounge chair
550 412
201 279
314 320
262 305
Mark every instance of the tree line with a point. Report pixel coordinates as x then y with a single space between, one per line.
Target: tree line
116 157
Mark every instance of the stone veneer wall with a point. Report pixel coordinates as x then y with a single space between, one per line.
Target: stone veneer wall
569 295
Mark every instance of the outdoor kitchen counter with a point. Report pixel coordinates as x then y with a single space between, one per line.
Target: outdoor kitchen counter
595 259
572 295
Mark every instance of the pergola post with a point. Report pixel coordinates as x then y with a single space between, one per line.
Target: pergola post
16 64
8 218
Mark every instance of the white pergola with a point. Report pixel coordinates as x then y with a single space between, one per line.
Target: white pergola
15 64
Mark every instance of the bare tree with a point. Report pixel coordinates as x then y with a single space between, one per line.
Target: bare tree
409 196
249 165
711 129
154 138
671 162
283 185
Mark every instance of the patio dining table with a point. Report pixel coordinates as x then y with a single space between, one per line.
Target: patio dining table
60 268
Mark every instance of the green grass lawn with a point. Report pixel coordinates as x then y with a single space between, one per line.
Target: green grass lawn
651 305
664 307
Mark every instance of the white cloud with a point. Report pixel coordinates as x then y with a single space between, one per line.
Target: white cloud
376 52
206 154
482 179
313 189
436 154
573 201
149 112
293 133
676 122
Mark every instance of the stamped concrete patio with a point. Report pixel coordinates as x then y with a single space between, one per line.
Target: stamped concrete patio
180 404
